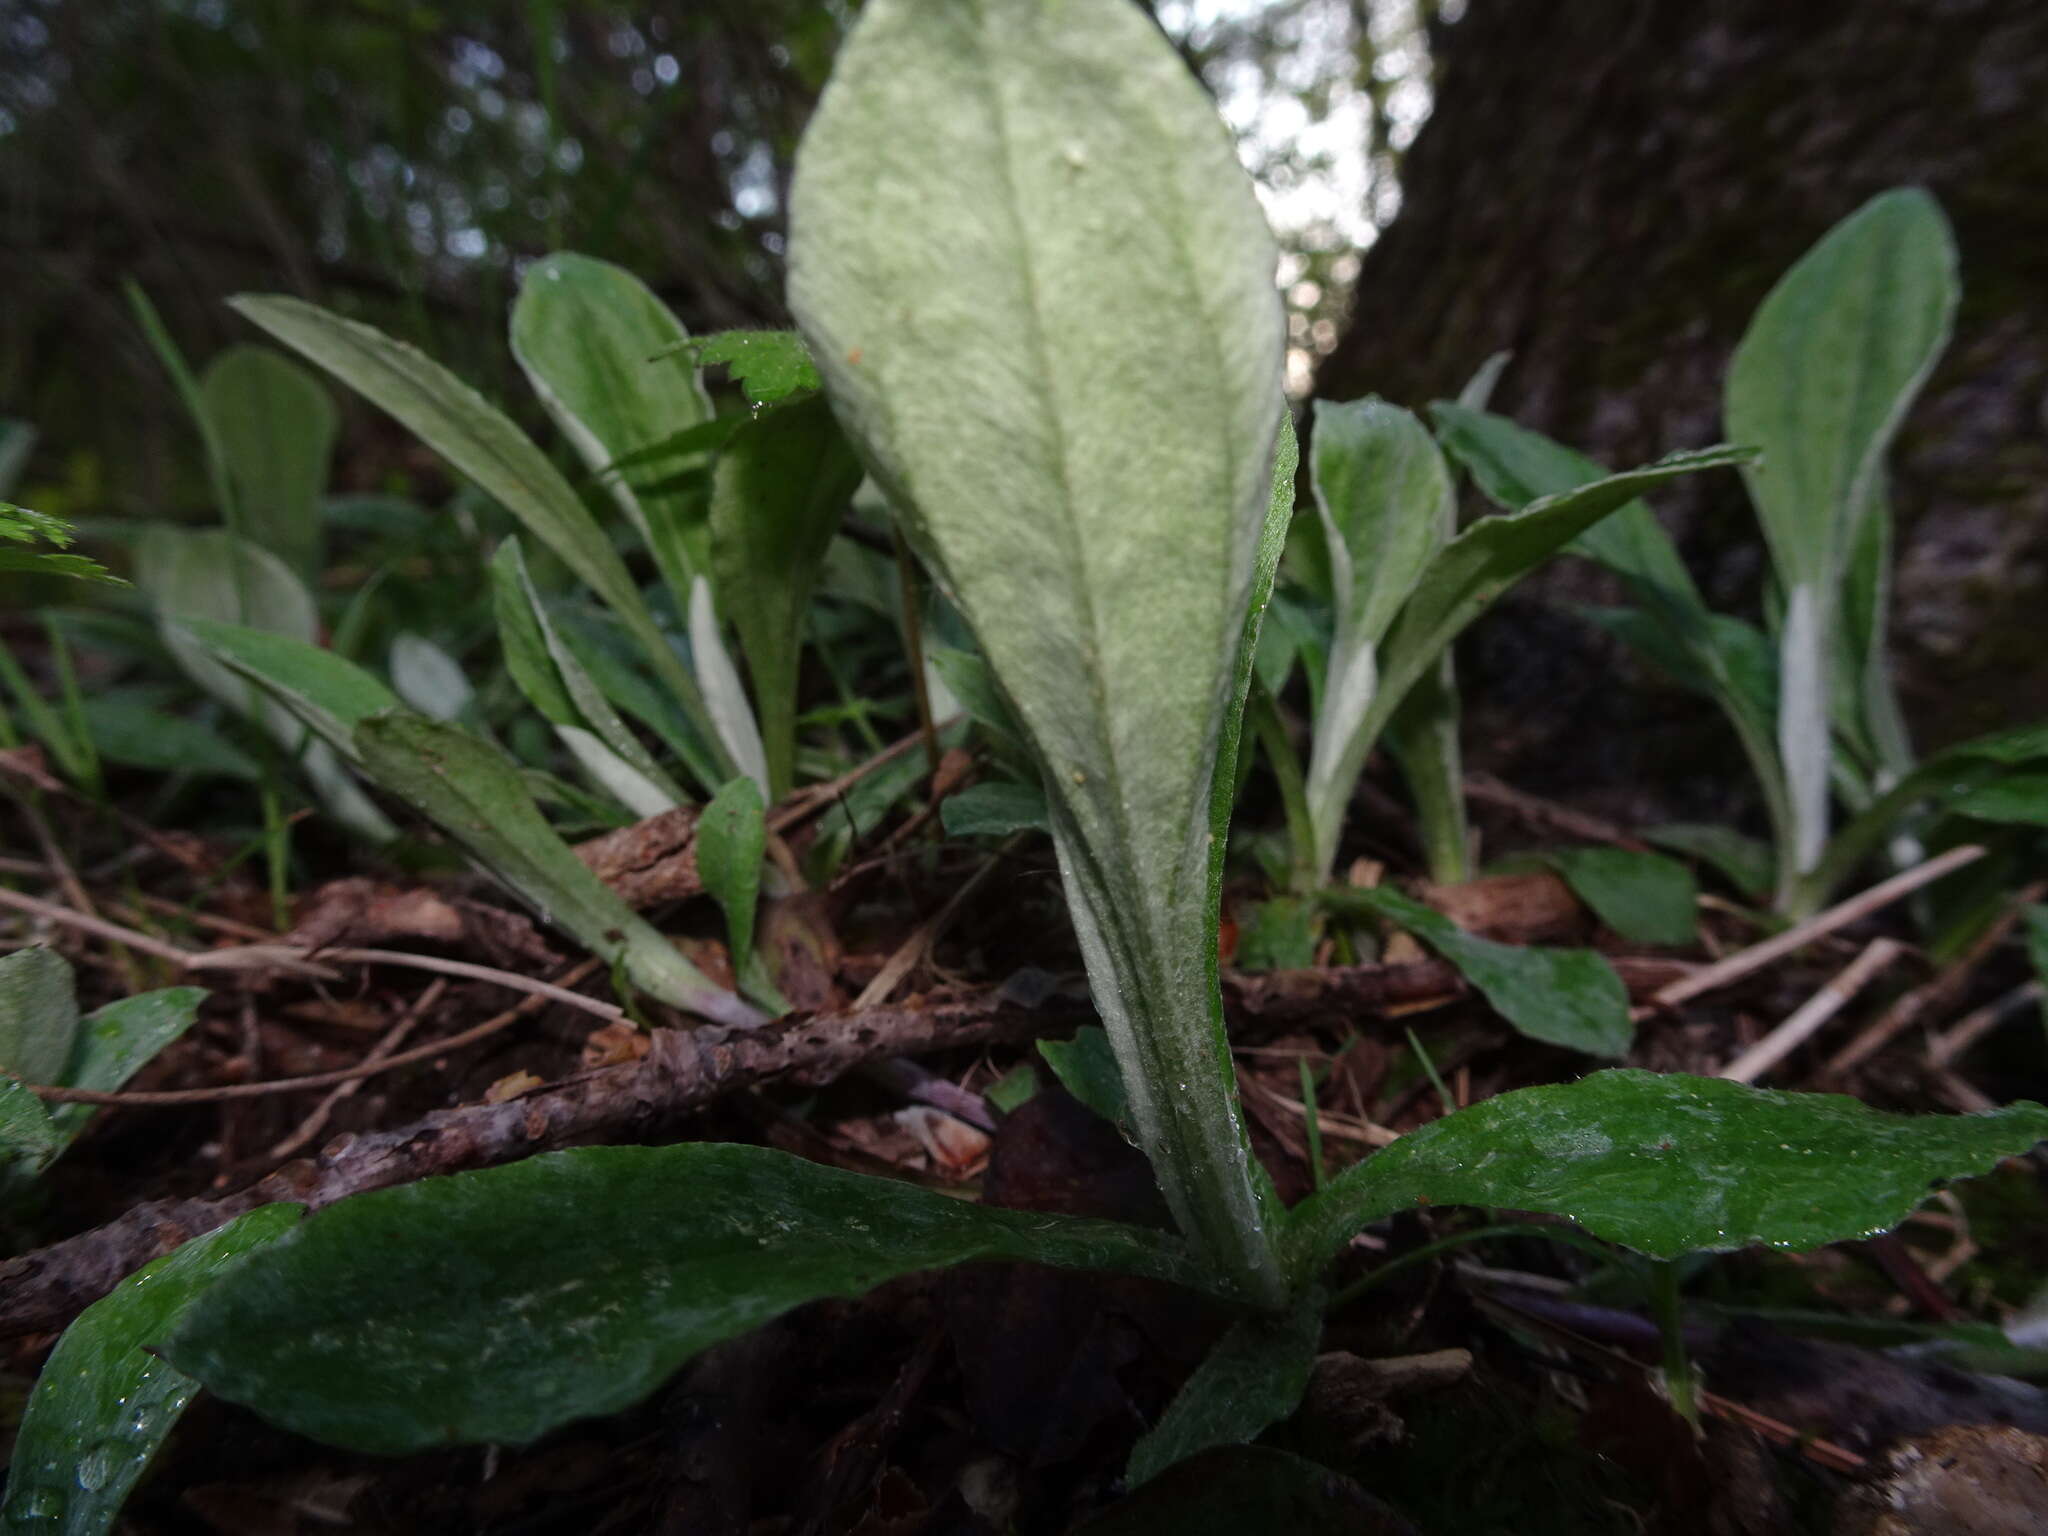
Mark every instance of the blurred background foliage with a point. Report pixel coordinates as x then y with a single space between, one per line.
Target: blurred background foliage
401 161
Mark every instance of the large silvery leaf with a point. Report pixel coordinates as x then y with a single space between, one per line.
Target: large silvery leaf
591 338
494 1306
481 442
104 1403
776 498
475 794
1819 383
1040 292
275 424
1387 507
1669 1165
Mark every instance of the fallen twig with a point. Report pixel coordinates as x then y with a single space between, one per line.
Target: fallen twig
1814 1012
1745 961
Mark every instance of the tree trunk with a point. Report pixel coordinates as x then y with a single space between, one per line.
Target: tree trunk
1607 189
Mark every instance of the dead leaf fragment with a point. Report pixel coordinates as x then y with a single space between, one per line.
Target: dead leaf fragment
512 1085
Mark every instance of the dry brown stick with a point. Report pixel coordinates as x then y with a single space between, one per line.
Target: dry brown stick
172 1097
1944 1048
1933 996
1547 813
392 1039
43 1290
256 955
1800 1025
1745 961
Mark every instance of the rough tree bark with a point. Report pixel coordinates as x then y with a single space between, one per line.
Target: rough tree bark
1608 188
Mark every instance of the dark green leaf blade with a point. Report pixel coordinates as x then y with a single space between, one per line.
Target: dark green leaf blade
1567 997
1644 897
103 1403
494 1306
38 1014
1669 1165
1252 1379
995 809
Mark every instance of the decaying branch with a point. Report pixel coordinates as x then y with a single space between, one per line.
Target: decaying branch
43 1290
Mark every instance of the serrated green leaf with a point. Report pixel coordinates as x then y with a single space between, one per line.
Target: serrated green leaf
1644 897
482 443
1253 1378
970 199
998 808
777 495
1819 383
38 1014
768 366
276 426
494 1306
22 525
104 1403
1669 1165
473 792
590 336
1567 997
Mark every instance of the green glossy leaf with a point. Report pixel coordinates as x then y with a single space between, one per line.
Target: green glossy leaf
494 1306
1743 860
2013 797
1567 997
38 1014
473 792
1819 382
276 426
971 199
998 808
1644 897
590 336
128 730
767 365
1387 509
1253 1378
1086 1067
1234 1489
115 1042
104 1403
731 840
1669 1165
482 443
777 495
